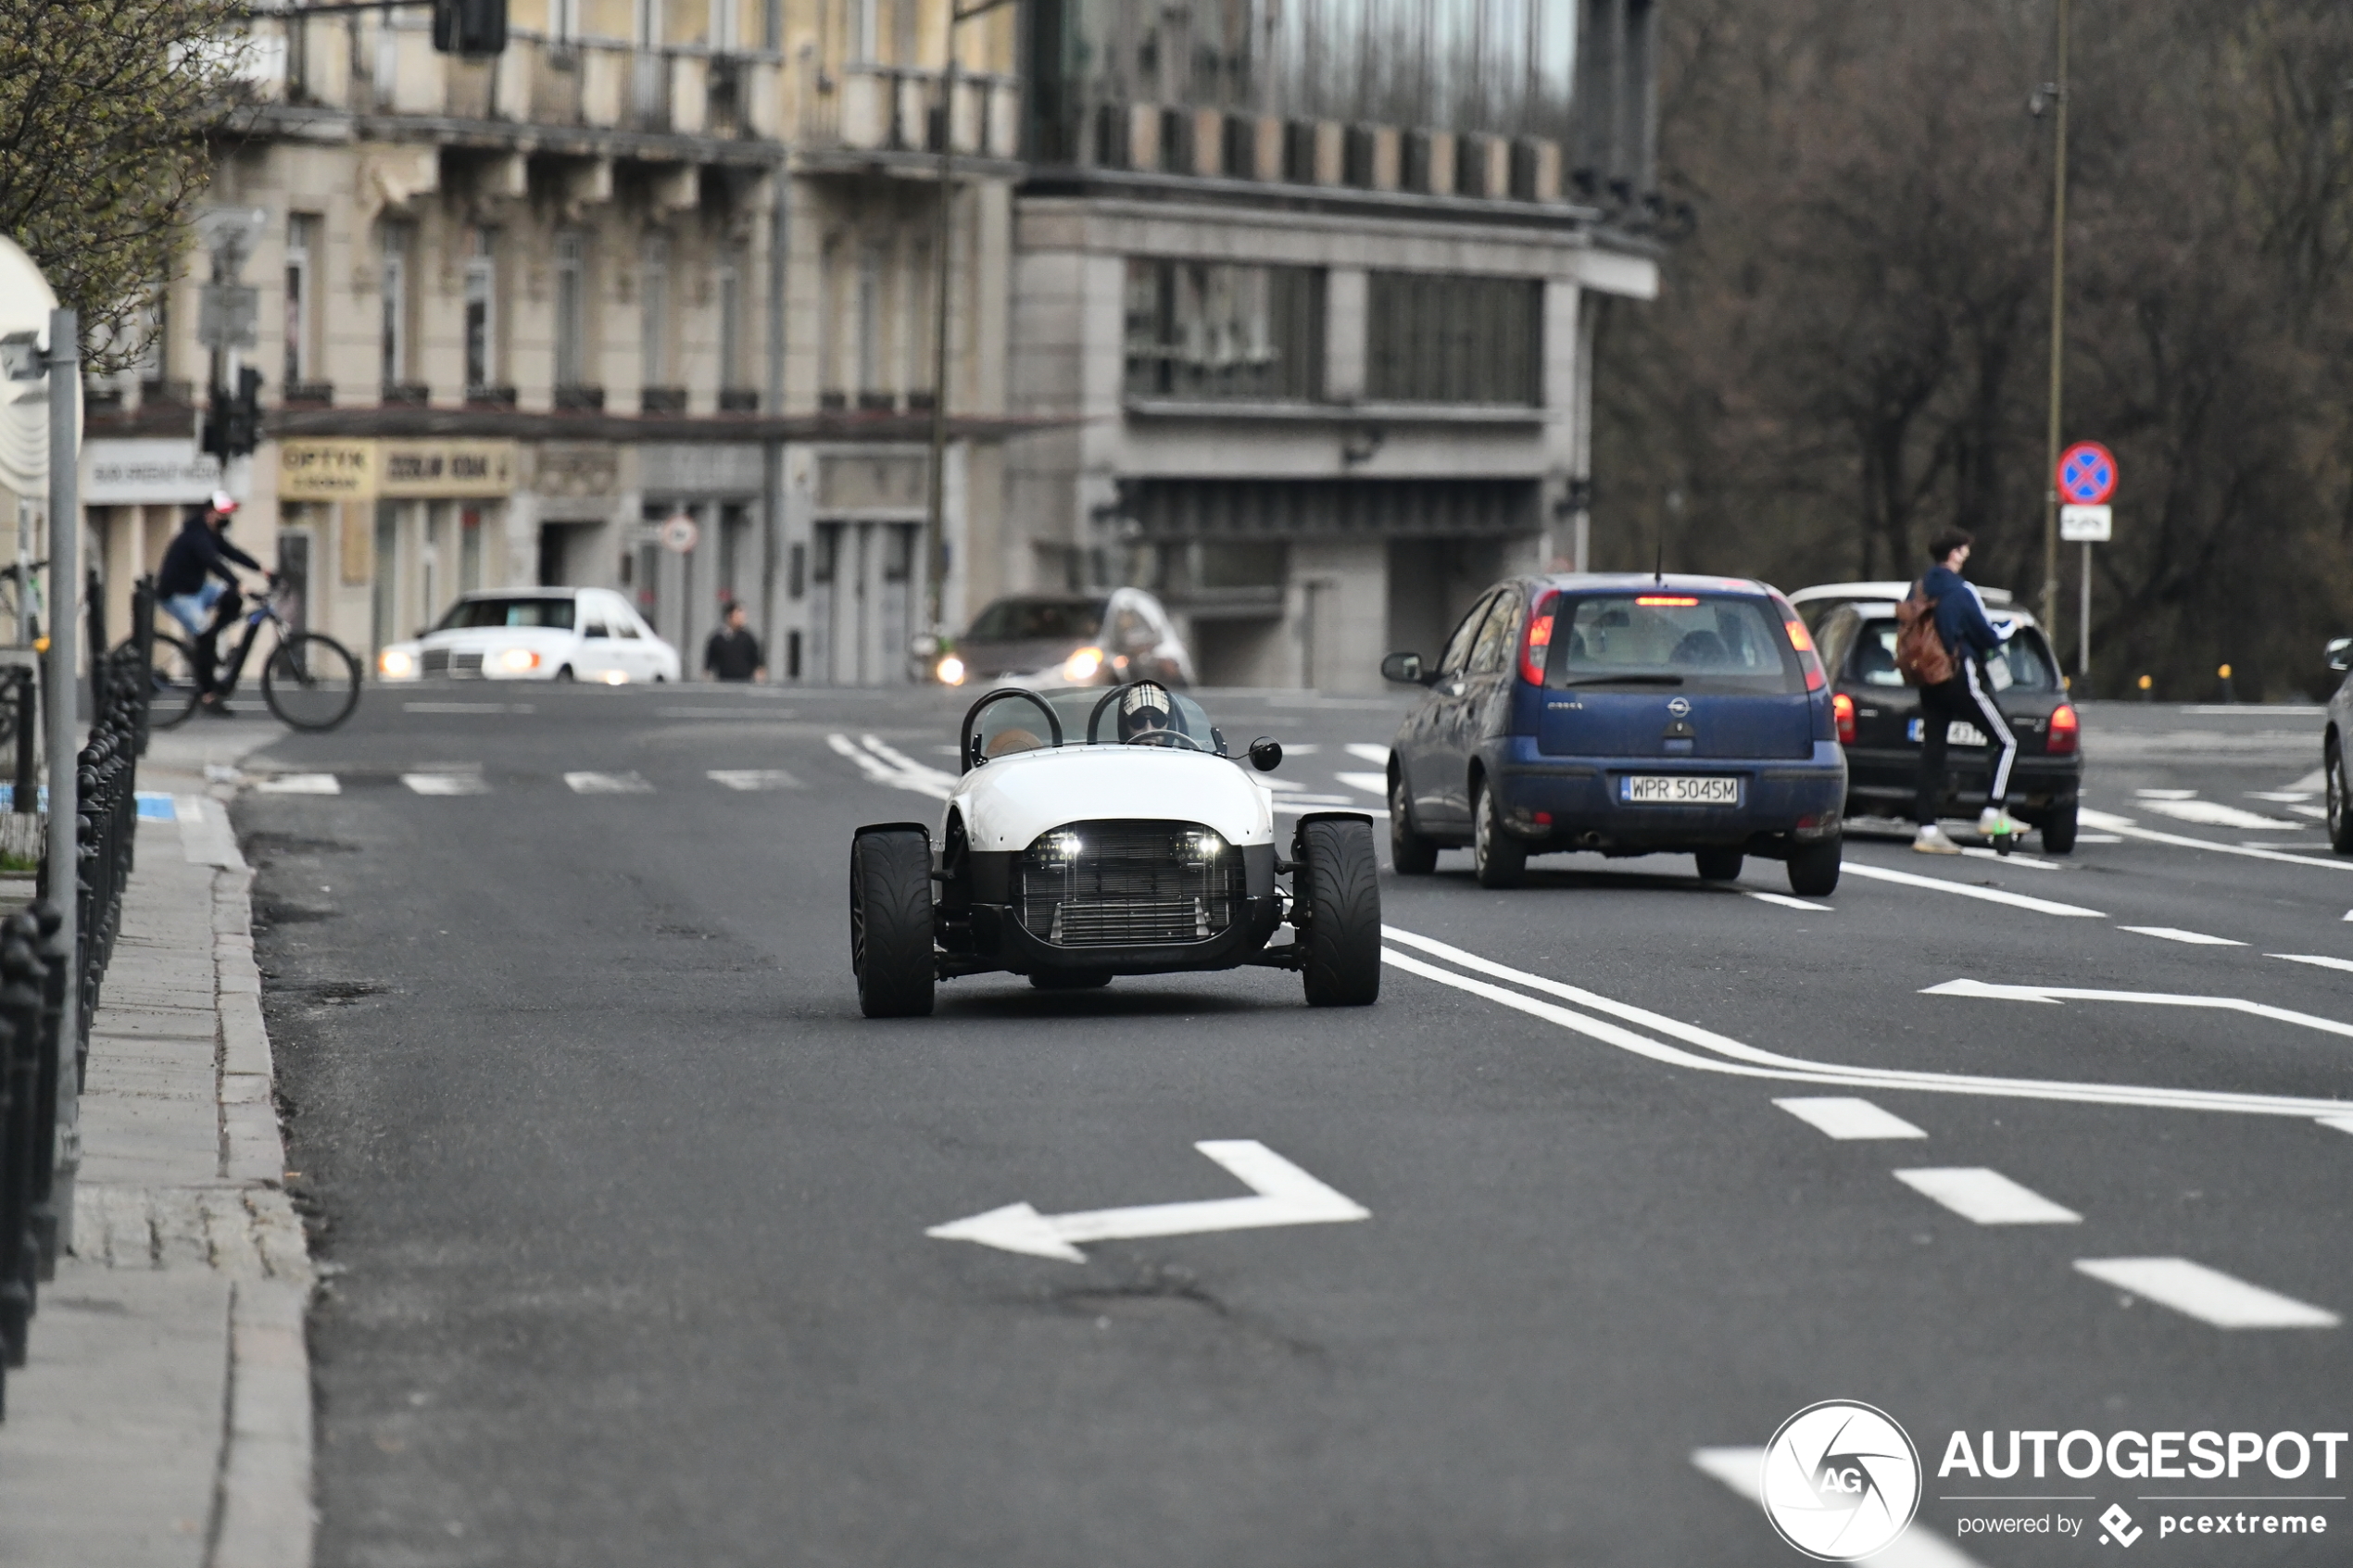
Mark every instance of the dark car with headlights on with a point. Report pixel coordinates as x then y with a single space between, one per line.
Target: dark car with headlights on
1625 715
1068 640
1879 722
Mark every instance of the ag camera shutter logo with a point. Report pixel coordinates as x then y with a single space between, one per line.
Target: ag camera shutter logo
1841 1480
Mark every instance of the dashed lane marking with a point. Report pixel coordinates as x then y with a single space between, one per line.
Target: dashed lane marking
1371 783
446 783
2055 994
2318 961
2129 829
1377 755
467 707
608 783
753 778
2175 933
2280 797
746 712
299 784
2207 1295
1743 1471
1985 1197
2012 859
1785 901
1966 890
2342 1124
1847 1119
2166 794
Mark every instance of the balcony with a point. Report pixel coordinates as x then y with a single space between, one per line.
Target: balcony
388 67
886 110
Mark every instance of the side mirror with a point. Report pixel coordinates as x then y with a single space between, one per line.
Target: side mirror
923 645
2340 655
1265 755
1405 668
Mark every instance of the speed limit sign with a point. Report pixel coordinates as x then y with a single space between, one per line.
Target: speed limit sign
679 532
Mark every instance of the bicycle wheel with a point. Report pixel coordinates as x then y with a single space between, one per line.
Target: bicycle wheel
311 682
172 670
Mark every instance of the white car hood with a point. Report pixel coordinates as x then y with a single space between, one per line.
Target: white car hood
481 639
1008 802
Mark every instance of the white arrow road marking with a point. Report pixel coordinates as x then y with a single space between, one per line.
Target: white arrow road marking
1786 902
2153 998
1741 1059
1986 1198
2175 933
299 784
1286 1196
1375 785
1743 1471
2211 813
2320 960
1990 895
2207 1295
2129 829
1847 1119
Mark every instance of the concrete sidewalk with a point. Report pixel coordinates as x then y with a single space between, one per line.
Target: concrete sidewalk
164 1418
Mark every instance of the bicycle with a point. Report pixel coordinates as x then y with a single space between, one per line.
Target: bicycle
310 681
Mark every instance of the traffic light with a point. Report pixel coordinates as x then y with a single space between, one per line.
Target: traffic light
470 27
233 422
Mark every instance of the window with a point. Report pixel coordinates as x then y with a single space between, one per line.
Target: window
481 309
571 309
870 318
653 312
1208 330
829 333
1499 636
725 29
731 318
1697 642
563 21
864 27
1458 646
922 298
1431 338
302 241
468 549
395 334
476 614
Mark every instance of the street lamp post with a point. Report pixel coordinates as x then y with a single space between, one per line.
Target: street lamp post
2058 321
935 525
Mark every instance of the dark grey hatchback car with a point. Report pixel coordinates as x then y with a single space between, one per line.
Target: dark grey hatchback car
1627 715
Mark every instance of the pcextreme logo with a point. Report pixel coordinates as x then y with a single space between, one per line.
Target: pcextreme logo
1841 1480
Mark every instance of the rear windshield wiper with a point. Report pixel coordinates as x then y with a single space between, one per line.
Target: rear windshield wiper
1626 680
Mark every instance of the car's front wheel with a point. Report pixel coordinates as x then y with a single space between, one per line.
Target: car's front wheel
890 943
1410 853
1337 882
1813 867
1498 858
2340 800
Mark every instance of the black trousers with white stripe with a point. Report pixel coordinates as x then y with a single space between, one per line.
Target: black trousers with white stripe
1965 698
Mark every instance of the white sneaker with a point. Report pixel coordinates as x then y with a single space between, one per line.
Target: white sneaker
1932 841
1995 822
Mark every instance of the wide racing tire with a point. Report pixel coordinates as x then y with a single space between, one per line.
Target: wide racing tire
890 941
1813 867
1338 883
1498 858
1410 853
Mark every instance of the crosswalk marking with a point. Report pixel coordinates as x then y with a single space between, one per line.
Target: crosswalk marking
1743 1471
1371 783
1846 1118
1969 890
608 783
446 783
299 784
1378 754
467 707
2207 1295
2320 960
753 778
1986 1198
2175 933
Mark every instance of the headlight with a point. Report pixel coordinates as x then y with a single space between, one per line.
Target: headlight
1202 844
518 660
1083 665
395 664
1064 846
615 677
950 671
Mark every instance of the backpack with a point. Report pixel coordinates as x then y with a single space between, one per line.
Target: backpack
1921 657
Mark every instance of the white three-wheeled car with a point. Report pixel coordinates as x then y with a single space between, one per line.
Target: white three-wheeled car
1101 833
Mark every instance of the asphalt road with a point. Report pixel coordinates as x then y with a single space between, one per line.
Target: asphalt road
625 1204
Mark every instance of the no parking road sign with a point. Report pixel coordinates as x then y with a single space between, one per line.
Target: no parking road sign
2086 474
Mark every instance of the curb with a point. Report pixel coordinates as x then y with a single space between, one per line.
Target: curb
263 1513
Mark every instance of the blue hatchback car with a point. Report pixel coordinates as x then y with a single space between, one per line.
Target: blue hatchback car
1627 715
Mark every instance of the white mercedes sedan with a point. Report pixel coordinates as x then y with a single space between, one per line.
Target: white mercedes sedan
536 635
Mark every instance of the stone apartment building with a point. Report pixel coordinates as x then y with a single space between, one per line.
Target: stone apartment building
1281 307
660 257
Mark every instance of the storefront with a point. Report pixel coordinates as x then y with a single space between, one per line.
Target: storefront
380 535
135 493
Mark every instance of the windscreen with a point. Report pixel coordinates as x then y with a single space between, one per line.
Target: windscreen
1014 621
1005 725
1873 661
475 613
1694 641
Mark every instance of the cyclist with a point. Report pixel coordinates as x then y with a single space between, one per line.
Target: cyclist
198 587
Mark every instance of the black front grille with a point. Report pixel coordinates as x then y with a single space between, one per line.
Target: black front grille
1127 883
465 664
437 662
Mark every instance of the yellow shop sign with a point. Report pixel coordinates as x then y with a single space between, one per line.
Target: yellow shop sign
359 470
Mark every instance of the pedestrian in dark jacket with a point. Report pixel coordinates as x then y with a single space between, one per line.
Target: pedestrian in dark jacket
733 653
197 587
1967 697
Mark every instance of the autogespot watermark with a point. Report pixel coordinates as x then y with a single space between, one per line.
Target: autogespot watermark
1842 1481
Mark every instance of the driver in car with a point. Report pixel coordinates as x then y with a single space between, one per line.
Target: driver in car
1145 717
